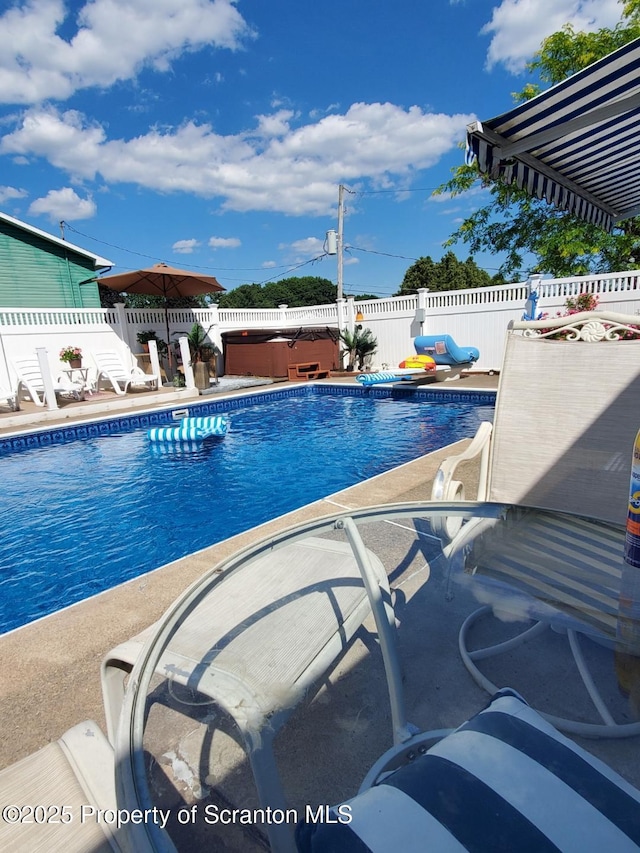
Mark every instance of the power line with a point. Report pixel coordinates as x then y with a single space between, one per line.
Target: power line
155 258
374 252
294 268
405 257
286 269
394 192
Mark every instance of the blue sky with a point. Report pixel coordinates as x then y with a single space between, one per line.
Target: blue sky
213 134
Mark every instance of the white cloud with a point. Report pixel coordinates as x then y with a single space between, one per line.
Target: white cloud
301 250
185 247
518 27
224 243
276 124
268 265
112 40
295 171
63 204
308 247
9 193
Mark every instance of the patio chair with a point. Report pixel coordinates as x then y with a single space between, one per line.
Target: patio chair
566 415
111 367
29 377
261 642
54 789
504 780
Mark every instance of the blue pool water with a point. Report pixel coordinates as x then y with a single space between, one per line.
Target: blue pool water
80 517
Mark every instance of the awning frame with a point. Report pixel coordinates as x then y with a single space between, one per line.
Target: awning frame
576 145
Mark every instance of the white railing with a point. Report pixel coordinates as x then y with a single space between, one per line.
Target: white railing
479 296
477 317
48 317
599 285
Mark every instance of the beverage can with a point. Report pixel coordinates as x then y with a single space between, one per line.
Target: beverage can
628 628
632 537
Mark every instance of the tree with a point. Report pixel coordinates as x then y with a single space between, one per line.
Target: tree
108 298
295 291
513 223
447 274
245 296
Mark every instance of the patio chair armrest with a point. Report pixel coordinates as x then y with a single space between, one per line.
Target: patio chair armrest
443 486
446 488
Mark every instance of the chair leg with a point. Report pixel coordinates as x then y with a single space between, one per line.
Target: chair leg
113 676
607 729
259 747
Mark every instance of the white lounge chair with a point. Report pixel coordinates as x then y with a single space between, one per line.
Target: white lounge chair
111 367
57 792
29 377
566 416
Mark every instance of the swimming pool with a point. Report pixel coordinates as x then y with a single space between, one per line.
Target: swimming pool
88 507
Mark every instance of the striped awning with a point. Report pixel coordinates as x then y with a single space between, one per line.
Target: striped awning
577 145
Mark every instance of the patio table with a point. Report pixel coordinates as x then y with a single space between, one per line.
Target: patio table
79 375
579 594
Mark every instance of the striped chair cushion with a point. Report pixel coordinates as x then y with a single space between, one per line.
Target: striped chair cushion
504 781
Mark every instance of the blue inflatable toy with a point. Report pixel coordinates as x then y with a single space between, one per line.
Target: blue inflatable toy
444 350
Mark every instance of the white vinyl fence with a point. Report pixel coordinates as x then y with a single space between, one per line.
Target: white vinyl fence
478 317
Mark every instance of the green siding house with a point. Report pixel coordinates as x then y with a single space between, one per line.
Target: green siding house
38 270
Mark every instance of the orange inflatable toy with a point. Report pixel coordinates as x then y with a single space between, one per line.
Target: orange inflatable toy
422 362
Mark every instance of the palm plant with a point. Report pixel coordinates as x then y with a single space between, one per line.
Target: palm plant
200 347
199 343
357 346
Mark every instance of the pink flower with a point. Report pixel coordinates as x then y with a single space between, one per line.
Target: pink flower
70 353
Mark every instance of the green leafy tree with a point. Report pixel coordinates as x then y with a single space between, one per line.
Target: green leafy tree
108 299
447 274
516 225
295 292
245 296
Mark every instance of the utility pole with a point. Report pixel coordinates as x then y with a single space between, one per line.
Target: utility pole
340 238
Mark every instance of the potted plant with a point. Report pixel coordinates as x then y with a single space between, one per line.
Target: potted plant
357 346
150 335
71 355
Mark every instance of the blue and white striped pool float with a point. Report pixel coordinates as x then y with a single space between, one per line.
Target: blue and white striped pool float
209 424
191 430
386 376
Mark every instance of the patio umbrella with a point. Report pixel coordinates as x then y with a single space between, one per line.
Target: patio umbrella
165 281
